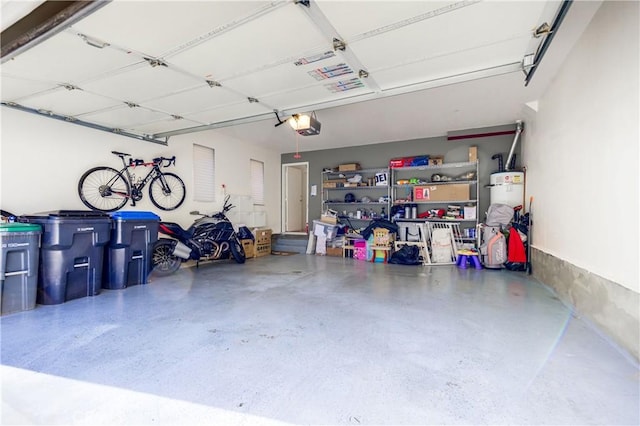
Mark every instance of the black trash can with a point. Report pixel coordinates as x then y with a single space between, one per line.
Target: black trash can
71 254
19 255
128 255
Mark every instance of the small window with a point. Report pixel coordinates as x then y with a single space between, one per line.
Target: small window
204 184
257 182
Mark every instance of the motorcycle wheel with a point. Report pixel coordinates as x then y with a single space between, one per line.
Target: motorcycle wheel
237 250
162 261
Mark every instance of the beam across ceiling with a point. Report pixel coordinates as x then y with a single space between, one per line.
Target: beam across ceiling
43 22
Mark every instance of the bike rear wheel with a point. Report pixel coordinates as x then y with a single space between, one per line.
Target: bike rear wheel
104 189
237 250
167 191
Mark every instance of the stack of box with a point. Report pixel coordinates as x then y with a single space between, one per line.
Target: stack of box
263 242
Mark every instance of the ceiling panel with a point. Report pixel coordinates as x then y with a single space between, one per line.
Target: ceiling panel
143 83
271 82
344 15
166 125
463 30
194 100
124 117
284 33
70 102
448 65
14 88
230 112
66 58
304 97
155 28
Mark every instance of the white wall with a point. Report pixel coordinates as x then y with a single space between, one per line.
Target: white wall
42 160
581 151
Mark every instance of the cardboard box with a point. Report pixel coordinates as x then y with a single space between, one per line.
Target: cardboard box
263 236
444 192
249 248
330 219
348 167
401 162
332 184
334 251
473 154
436 160
469 212
262 249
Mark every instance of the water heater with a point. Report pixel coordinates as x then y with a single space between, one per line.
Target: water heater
507 188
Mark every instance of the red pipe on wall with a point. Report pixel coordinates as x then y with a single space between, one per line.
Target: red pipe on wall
481 135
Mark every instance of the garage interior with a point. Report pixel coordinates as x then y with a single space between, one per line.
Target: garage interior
307 339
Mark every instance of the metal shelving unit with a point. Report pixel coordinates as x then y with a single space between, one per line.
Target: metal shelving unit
334 197
458 173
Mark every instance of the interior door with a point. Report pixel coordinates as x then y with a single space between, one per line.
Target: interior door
294 200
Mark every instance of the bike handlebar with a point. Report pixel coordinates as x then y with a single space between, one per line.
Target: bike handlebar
158 161
169 161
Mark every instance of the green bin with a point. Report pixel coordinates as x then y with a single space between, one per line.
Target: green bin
19 256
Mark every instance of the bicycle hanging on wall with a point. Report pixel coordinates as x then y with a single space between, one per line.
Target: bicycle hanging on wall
107 189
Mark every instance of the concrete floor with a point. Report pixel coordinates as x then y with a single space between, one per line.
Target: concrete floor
315 340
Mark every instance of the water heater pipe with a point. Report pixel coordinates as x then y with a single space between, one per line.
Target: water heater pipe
519 127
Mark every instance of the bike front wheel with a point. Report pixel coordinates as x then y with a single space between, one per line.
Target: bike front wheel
167 191
104 189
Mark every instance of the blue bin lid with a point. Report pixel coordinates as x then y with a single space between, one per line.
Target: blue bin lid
127 215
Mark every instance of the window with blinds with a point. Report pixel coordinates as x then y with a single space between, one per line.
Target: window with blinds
257 182
204 184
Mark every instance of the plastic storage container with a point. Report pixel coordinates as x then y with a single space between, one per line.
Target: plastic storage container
71 254
19 255
128 255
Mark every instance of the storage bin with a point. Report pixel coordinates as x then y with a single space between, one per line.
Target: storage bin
19 255
326 230
71 254
128 255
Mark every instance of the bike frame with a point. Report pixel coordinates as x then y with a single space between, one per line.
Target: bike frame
155 171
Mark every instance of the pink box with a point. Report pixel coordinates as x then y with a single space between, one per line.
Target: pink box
360 249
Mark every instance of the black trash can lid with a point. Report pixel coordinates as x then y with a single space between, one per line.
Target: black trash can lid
71 214
78 213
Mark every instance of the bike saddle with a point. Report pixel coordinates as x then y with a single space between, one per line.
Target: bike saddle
120 154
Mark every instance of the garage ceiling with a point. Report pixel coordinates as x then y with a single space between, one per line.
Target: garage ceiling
152 70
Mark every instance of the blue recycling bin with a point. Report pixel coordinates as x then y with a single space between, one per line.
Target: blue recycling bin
71 254
128 255
19 256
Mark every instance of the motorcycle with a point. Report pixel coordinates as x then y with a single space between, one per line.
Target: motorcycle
210 237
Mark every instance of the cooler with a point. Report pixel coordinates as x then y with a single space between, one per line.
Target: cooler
71 254
19 253
128 255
